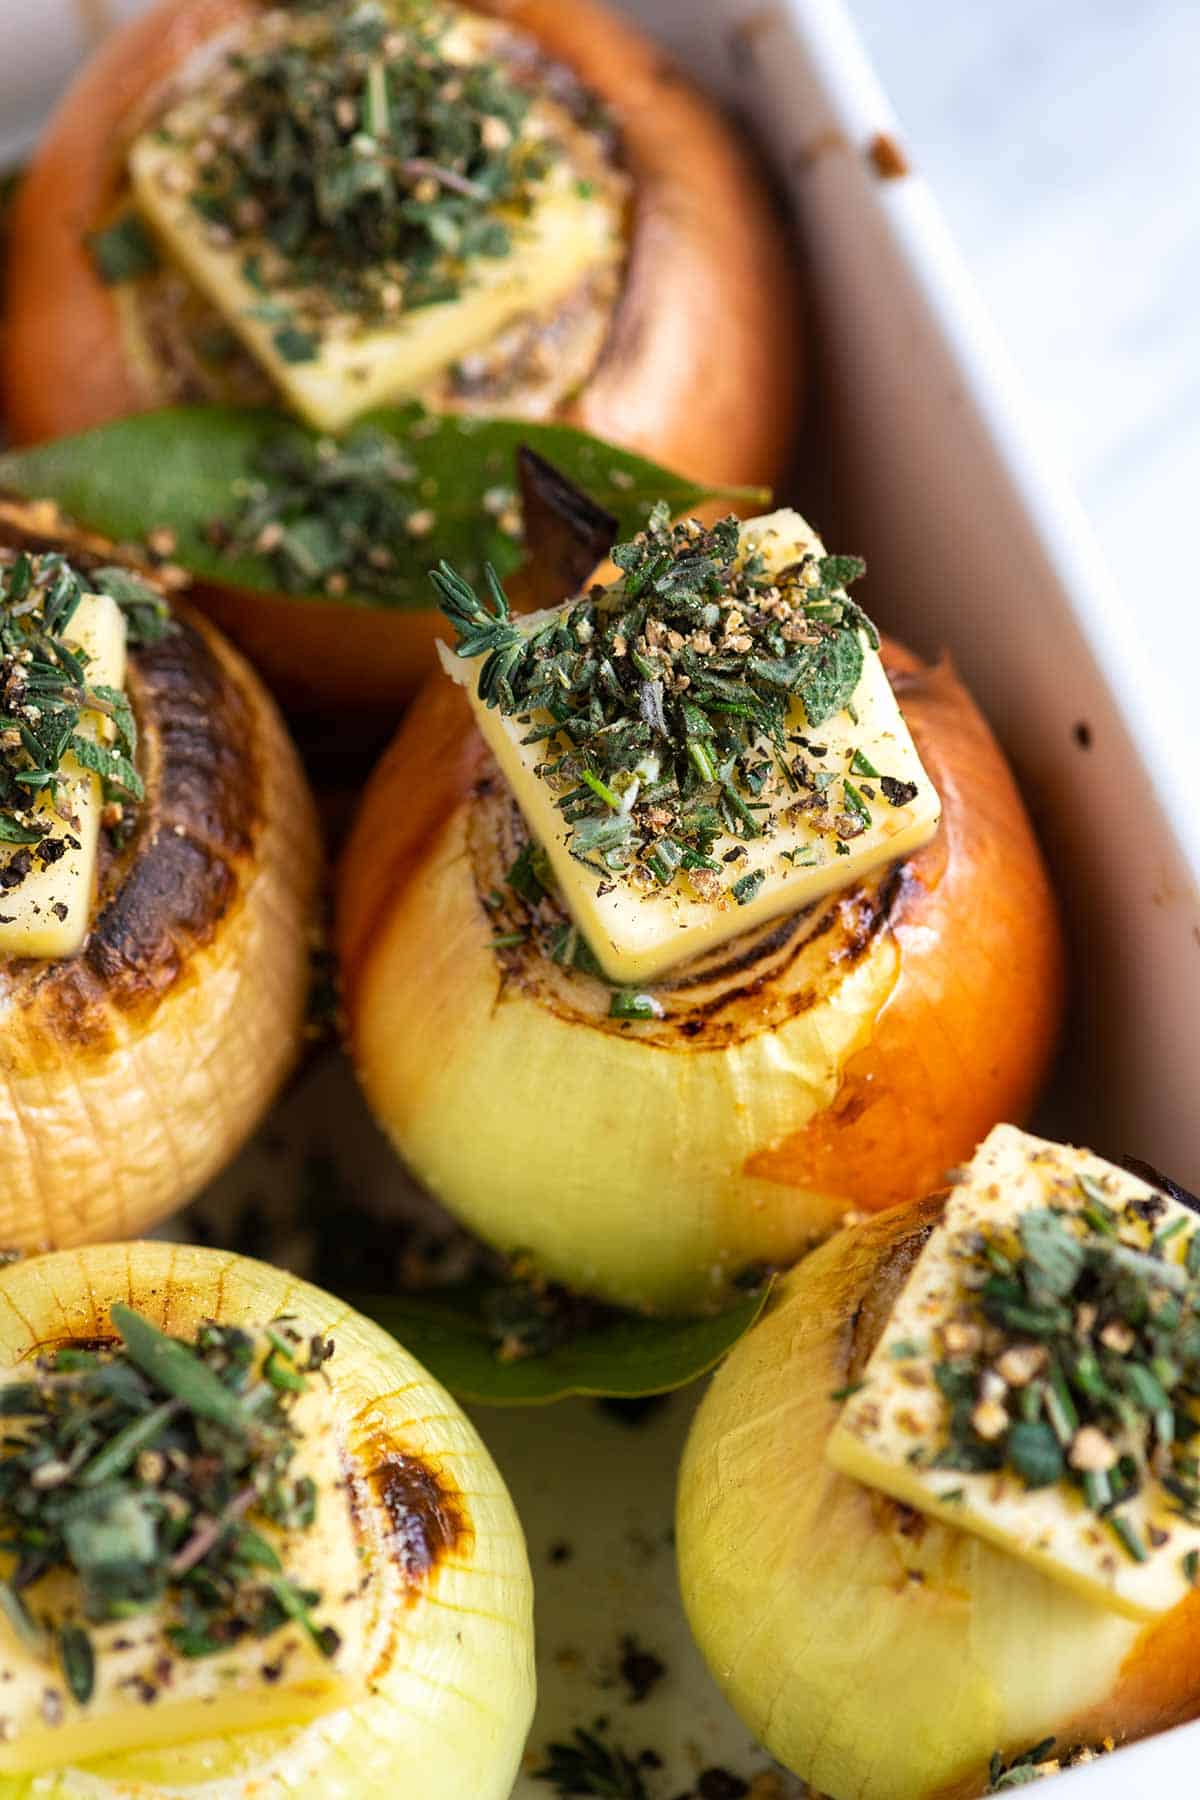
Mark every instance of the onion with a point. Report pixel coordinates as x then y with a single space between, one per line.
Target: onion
448 1714
843 1057
879 1654
130 1073
700 368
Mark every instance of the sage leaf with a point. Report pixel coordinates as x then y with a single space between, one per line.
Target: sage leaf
1055 1254
829 675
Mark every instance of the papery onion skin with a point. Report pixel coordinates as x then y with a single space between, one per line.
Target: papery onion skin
701 370
449 1715
845 1058
130 1073
878 1654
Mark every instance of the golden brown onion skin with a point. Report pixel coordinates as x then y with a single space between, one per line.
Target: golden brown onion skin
130 1073
878 1654
844 1057
701 369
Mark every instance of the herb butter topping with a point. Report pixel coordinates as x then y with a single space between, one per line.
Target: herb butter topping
146 1473
1039 1379
44 690
366 166
370 194
68 738
714 726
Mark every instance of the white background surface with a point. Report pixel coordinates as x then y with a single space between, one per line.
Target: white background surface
1063 142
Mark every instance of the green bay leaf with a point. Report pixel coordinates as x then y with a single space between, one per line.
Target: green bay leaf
627 1357
184 468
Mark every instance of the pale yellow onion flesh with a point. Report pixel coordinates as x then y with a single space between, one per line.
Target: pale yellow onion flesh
112 1115
878 1654
449 1717
642 1146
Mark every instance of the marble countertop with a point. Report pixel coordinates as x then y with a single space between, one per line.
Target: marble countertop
1063 144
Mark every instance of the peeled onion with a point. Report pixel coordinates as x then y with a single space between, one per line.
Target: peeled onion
879 1654
449 1709
843 1057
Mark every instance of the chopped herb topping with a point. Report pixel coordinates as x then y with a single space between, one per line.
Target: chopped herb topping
1076 1355
363 164
335 514
123 251
897 793
665 701
142 1469
44 691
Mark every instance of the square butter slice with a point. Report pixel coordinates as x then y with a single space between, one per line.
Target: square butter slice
146 1694
897 1419
48 911
637 933
572 228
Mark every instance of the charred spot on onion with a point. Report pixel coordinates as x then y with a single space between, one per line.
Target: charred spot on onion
426 1515
739 989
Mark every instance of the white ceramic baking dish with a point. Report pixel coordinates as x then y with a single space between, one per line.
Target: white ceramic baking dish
916 454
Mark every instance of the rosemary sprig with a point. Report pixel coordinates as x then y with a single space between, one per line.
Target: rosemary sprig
139 1469
665 703
481 632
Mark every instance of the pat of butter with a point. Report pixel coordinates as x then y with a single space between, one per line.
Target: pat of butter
637 933
147 1694
572 229
899 1409
47 913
